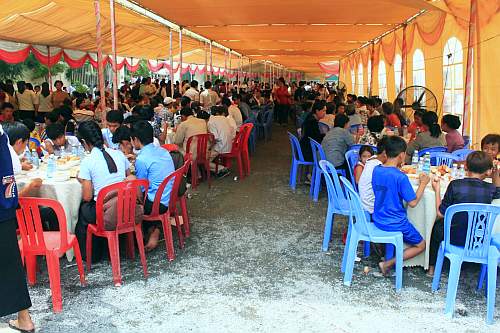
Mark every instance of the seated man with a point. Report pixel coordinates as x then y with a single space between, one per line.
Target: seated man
188 127
472 189
7 114
56 139
391 187
234 111
81 113
154 164
224 134
490 144
114 119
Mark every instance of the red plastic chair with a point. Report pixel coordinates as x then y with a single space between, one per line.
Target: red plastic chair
202 144
126 192
51 244
236 152
155 215
247 130
170 147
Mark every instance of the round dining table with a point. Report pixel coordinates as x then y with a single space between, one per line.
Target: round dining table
423 217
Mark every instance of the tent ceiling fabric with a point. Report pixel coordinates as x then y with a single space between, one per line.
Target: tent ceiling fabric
297 34
71 24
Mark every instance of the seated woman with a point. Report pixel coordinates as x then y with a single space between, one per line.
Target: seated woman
417 125
432 136
365 153
330 114
454 140
310 129
337 141
374 133
391 118
104 166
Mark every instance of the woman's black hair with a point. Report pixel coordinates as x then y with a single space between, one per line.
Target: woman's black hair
366 148
89 132
375 124
70 127
388 108
16 131
45 89
9 87
114 116
122 133
52 116
452 121
29 86
28 122
21 87
318 105
58 81
54 131
340 120
430 120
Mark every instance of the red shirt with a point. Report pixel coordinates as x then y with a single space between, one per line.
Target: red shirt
413 129
392 120
282 95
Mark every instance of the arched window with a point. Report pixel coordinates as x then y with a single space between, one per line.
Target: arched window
369 77
382 81
360 79
418 68
353 81
453 82
397 72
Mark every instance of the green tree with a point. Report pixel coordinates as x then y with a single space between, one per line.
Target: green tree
40 71
143 69
8 71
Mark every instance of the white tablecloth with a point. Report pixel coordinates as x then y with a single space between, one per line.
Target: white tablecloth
423 217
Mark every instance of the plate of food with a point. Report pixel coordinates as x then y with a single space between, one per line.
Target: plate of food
67 162
440 170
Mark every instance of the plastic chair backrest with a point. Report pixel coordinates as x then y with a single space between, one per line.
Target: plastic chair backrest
354 128
30 222
170 147
202 141
466 141
268 118
438 158
296 150
246 130
357 212
358 147
126 193
462 154
317 152
336 195
432 150
352 158
481 219
323 128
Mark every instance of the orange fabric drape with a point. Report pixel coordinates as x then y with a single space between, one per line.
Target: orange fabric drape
435 21
389 48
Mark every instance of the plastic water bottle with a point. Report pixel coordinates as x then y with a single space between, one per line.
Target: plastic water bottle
34 158
414 159
74 150
420 165
461 172
427 164
454 171
51 166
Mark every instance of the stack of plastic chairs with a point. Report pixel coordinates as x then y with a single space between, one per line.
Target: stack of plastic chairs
252 140
478 249
297 160
361 229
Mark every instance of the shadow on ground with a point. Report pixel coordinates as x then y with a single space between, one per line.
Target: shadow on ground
253 263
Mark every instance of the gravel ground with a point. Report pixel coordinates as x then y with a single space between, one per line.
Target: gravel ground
253 264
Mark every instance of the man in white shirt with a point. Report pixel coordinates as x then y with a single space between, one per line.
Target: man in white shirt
193 92
189 127
208 97
233 111
365 188
223 133
18 135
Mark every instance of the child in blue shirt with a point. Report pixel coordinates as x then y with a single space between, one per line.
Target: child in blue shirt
391 187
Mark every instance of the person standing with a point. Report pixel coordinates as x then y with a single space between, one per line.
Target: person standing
13 288
282 100
27 101
58 97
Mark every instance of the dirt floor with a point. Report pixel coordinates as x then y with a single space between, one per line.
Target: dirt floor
254 264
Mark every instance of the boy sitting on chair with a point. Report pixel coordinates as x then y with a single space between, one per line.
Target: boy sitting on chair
391 187
472 189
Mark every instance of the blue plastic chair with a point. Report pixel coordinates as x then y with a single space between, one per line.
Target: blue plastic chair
358 147
466 141
432 150
438 158
318 155
461 154
337 200
352 158
267 124
297 160
493 261
323 128
354 128
481 218
361 229
252 140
